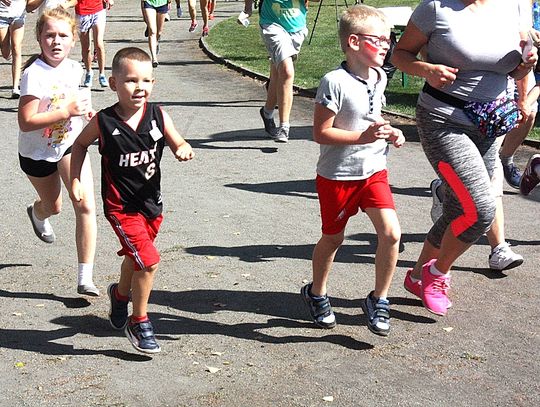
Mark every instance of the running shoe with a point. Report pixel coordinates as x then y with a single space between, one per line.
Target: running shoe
179 12
512 175
118 310
243 18
192 27
88 289
503 258
88 79
437 205
282 135
15 93
319 308
377 311
530 179
103 81
205 32
42 229
435 290
415 288
141 335
269 124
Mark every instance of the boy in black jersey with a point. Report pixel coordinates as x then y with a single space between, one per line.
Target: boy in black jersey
131 134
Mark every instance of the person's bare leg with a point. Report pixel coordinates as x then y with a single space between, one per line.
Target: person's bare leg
388 231
141 287
284 87
323 256
151 22
98 32
85 50
17 34
271 93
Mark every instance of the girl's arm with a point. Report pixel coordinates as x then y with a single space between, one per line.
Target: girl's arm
30 119
324 131
405 58
69 3
181 148
78 153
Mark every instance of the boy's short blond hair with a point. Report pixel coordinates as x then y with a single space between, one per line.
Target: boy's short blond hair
131 53
354 20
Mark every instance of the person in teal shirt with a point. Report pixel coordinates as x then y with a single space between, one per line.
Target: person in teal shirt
283 29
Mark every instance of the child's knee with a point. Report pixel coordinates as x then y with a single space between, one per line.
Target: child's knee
391 237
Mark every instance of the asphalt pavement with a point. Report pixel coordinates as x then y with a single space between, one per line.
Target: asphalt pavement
241 221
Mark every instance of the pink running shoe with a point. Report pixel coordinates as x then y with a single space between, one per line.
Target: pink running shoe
416 288
192 27
410 286
435 290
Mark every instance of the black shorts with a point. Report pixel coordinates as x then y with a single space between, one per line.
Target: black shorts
160 9
39 168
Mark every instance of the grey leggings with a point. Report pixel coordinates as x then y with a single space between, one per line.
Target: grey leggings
464 159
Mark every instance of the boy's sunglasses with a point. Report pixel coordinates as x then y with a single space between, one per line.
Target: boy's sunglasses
376 40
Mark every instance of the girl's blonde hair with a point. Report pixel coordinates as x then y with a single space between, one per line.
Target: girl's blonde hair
355 19
57 13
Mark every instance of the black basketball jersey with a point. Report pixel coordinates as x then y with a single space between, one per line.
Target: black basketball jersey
130 170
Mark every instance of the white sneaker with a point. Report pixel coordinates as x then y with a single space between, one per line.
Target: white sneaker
503 258
243 18
42 229
436 206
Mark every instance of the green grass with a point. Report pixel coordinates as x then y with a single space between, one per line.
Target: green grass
244 47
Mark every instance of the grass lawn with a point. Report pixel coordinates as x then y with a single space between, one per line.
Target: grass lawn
244 47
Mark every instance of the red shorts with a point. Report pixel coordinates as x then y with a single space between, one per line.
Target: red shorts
137 234
339 200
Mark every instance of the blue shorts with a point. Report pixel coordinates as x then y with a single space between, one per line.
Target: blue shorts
6 22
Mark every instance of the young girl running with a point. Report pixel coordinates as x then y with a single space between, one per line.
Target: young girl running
51 111
154 13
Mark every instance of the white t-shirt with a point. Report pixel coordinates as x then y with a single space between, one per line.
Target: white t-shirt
357 105
49 5
51 86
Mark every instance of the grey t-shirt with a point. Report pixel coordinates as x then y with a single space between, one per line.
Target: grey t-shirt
483 44
347 96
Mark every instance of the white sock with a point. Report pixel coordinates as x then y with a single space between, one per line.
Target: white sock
84 274
433 270
285 125
268 114
38 222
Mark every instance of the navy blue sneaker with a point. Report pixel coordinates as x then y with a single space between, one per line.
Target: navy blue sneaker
141 335
118 311
319 308
512 175
377 311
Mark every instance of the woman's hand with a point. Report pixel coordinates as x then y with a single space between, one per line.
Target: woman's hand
440 76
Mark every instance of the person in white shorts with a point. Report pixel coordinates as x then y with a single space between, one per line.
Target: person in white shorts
12 17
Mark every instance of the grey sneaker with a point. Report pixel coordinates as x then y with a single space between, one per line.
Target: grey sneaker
436 206
103 81
282 135
88 289
269 124
377 311
44 231
504 258
320 310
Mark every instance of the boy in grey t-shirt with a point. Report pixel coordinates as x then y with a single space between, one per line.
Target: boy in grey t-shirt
351 172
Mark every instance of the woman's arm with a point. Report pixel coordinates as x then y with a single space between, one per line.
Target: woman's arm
405 58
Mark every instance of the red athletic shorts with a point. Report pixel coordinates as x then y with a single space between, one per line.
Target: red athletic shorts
137 234
339 200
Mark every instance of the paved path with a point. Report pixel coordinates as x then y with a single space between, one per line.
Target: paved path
240 224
